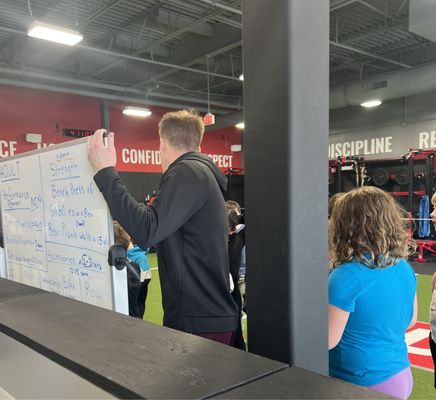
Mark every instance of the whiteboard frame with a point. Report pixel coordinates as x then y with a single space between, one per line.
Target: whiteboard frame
119 290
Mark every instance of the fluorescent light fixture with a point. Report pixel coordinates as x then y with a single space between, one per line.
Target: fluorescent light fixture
371 103
241 77
33 137
137 112
240 125
54 33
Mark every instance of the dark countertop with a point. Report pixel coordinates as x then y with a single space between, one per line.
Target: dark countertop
125 356
131 358
296 383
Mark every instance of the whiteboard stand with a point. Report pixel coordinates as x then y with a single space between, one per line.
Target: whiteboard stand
119 279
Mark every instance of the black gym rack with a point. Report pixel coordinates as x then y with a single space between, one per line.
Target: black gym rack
407 178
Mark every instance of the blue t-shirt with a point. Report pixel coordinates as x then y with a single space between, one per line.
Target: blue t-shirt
380 302
139 256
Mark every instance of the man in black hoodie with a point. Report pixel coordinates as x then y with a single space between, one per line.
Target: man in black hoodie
187 220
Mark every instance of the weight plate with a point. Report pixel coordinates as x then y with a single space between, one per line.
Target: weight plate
402 176
380 176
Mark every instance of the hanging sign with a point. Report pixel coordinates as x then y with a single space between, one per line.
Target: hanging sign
209 119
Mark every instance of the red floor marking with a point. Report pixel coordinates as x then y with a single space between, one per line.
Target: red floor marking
418 346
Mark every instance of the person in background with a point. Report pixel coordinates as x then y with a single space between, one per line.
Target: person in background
139 257
432 336
236 245
187 220
234 249
233 205
372 292
332 202
331 205
122 238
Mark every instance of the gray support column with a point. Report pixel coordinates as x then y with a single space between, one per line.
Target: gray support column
286 65
104 112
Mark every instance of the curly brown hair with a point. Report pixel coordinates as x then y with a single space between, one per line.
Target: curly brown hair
333 200
121 237
367 224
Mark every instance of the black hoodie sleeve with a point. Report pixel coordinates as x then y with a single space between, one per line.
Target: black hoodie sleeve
182 192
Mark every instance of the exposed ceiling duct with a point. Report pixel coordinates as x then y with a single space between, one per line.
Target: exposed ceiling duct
406 82
120 91
399 83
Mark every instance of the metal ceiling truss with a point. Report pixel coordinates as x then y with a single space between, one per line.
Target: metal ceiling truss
162 40
161 47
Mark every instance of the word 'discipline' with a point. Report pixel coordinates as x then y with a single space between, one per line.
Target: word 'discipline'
371 146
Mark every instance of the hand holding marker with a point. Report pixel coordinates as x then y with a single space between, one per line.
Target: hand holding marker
101 150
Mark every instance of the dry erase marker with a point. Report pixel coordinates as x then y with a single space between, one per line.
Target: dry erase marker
105 139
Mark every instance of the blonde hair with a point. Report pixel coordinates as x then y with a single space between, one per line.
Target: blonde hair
367 225
233 205
182 129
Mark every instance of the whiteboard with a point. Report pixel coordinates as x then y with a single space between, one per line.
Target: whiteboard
57 228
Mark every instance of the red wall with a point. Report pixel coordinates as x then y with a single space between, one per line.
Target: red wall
35 111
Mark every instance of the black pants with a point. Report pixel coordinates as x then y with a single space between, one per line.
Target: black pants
238 338
433 354
142 296
133 272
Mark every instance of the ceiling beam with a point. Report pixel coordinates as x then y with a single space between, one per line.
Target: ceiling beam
338 4
216 4
78 83
150 61
229 21
375 9
354 65
50 7
375 30
193 9
80 26
192 61
378 29
401 7
365 53
99 95
175 20
122 41
133 58
98 13
160 41
111 35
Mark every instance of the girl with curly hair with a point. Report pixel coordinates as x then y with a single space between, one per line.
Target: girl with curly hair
372 292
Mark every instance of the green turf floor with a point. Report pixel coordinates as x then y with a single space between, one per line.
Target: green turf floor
423 380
